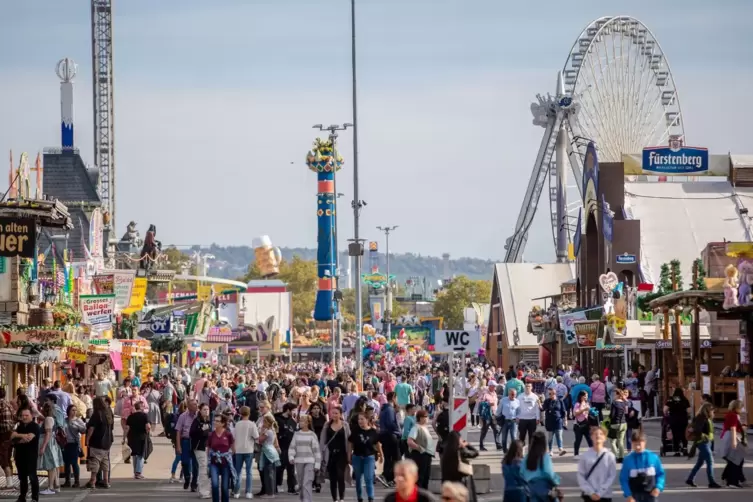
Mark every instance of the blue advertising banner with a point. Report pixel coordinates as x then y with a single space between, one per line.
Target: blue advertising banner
578 230
607 220
665 160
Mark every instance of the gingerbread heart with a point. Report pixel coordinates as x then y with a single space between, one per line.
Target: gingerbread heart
608 281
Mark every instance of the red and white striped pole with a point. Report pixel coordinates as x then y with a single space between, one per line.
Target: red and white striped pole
458 398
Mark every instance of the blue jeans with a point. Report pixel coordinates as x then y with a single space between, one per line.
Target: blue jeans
509 428
216 472
555 435
138 464
190 465
70 458
364 467
176 461
704 456
240 459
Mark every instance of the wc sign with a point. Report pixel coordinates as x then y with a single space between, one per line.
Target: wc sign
449 341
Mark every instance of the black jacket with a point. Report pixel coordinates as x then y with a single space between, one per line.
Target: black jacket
423 496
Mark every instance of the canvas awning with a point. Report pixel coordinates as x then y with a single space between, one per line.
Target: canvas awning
15 356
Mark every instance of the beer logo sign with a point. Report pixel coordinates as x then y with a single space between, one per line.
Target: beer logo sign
18 237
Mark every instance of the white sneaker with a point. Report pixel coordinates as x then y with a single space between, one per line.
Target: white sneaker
47 492
249 495
237 495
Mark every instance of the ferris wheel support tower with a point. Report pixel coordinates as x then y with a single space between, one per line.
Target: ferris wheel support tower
104 112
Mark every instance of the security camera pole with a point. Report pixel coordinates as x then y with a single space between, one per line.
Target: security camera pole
388 310
338 296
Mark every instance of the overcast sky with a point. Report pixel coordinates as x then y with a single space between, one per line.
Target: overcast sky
214 103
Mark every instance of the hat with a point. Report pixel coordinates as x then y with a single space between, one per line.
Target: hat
491 383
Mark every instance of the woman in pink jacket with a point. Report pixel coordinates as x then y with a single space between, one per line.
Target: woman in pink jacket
598 396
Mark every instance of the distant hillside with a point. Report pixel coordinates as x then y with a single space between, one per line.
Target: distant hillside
232 261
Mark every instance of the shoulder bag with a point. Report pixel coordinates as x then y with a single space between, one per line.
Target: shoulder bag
587 498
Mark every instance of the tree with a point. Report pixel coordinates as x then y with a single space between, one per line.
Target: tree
252 273
675 275
665 280
459 295
177 260
699 275
301 279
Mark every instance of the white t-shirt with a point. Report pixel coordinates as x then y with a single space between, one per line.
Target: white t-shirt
246 435
262 386
431 444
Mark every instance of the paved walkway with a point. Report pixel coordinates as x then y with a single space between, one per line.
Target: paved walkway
156 487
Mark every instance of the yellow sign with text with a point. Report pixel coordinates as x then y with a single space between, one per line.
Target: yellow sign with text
138 295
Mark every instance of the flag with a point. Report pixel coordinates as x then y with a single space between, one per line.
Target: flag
83 241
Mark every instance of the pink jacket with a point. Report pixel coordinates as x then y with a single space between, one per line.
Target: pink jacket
128 406
599 393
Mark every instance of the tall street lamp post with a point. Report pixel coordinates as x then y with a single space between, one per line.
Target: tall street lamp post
388 310
355 248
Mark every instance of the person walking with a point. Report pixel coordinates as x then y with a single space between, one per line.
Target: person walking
74 427
581 428
333 445
50 456
183 446
246 435
618 414
703 430
597 469
25 453
512 465
732 446
507 414
422 447
365 447
455 463
642 476
406 485
555 419
389 438
286 427
220 451
487 405
677 409
99 438
199 434
538 471
598 396
305 455
269 457
529 414
137 431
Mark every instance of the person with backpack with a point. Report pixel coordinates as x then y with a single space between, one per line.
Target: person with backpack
555 419
487 406
597 469
642 476
701 433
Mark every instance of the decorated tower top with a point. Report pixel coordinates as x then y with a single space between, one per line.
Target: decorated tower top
319 158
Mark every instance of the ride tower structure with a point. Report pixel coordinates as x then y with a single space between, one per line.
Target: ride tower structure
616 90
104 105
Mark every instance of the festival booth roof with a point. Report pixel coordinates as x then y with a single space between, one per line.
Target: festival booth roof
18 356
679 219
518 285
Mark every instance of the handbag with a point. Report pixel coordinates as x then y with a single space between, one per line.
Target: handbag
587 498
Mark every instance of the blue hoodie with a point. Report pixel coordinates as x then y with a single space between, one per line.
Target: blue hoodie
636 465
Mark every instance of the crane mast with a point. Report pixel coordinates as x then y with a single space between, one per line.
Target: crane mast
104 112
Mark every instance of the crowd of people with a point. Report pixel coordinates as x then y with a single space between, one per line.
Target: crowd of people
300 427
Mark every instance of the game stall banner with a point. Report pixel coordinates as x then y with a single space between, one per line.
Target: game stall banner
586 333
568 320
18 237
97 311
104 284
138 295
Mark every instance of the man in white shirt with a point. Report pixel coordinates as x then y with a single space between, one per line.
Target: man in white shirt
529 413
246 434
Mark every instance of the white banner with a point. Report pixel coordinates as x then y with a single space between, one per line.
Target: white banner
123 280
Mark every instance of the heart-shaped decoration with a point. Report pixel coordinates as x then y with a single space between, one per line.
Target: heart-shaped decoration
608 281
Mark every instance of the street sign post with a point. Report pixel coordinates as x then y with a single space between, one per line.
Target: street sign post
461 342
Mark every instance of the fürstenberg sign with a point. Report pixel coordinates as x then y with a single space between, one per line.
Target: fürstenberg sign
448 341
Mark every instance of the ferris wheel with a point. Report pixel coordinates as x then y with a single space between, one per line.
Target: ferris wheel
615 90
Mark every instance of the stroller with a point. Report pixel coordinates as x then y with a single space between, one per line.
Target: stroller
667 443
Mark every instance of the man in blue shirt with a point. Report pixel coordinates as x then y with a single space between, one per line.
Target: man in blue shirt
389 435
507 415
